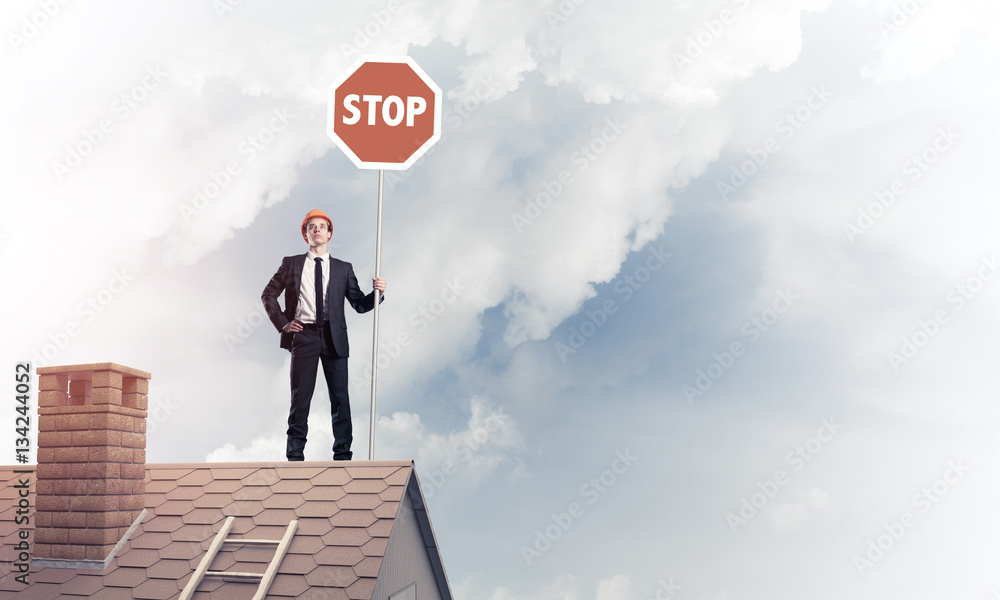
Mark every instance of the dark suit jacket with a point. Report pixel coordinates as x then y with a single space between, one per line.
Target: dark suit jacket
342 285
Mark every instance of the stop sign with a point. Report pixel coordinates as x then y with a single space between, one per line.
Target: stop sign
384 112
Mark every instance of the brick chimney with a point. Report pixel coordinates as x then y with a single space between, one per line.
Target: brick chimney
91 461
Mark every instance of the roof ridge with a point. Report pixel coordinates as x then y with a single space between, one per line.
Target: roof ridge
287 464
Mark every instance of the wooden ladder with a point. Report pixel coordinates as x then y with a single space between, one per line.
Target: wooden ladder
265 578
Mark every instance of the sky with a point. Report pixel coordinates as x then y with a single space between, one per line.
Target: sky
690 300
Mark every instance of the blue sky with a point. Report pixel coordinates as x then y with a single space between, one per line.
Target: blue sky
753 335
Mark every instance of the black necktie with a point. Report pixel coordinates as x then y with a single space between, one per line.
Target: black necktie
319 291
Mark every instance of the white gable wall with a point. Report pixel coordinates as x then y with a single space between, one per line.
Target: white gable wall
410 556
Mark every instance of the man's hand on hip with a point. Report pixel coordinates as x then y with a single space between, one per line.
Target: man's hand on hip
292 326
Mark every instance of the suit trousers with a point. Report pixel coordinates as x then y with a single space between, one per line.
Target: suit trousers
310 347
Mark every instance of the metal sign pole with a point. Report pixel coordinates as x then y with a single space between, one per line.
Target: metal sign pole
378 297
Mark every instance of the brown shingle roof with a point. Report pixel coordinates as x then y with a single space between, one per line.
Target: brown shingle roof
345 514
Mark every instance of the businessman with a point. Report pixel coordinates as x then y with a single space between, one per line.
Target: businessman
314 329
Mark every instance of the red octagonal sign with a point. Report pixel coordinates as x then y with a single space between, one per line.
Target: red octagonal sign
384 112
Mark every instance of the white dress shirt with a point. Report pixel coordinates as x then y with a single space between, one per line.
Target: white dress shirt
306 310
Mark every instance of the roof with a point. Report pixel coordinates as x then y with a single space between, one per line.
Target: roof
345 513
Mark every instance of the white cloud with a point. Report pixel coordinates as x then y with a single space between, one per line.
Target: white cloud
261 449
792 516
457 460
914 37
689 55
615 588
567 587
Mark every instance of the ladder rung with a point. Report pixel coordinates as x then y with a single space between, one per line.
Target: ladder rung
251 541
234 574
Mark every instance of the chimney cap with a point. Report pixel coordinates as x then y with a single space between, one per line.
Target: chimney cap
91 367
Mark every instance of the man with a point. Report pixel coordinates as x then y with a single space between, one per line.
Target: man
314 329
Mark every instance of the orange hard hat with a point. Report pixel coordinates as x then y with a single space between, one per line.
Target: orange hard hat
313 214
